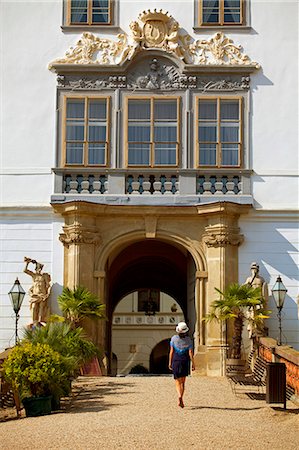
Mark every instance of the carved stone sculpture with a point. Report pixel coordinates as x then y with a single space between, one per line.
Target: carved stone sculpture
155 30
256 281
39 291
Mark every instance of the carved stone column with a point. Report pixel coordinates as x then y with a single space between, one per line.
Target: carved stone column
221 239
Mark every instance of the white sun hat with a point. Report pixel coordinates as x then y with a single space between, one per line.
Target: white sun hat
182 327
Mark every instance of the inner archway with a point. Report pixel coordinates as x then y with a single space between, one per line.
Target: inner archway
137 331
156 266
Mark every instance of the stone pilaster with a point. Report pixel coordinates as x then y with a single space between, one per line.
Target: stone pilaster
221 239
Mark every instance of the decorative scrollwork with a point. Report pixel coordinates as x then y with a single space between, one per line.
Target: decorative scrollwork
155 30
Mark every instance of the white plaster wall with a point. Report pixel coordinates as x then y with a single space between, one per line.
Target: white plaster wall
273 243
35 236
144 339
32 37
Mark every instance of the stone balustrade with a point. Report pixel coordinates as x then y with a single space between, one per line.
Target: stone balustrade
271 352
205 184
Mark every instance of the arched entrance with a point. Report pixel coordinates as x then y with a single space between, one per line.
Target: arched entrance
151 265
159 358
183 250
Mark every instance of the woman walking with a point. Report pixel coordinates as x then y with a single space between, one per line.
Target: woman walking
180 355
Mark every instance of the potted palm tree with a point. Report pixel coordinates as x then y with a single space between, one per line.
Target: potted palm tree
73 346
239 303
32 370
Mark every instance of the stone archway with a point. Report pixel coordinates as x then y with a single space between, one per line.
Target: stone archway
207 235
154 264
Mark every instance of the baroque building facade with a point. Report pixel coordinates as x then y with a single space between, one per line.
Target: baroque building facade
150 148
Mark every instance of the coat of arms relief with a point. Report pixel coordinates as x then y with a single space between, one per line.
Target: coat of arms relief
155 30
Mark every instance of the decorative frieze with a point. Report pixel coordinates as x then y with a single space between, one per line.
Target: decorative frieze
221 235
77 234
160 76
155 30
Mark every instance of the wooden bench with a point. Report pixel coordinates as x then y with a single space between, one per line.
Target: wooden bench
255 379
230 370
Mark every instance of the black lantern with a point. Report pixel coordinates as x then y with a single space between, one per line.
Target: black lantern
16 295
279 292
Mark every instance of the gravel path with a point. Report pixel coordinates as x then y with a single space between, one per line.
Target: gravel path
142 413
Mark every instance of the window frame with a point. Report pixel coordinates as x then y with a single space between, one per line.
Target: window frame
86 99
152 98
89 22
219 143
221 22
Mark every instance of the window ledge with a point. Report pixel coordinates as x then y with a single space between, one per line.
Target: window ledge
198 29
90 27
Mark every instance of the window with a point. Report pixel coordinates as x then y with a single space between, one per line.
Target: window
89 12
222 12
86 131
149 301
152 132
219 132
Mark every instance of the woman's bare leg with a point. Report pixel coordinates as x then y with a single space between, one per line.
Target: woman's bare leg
180 387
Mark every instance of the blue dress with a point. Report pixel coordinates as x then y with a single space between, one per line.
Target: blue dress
181 358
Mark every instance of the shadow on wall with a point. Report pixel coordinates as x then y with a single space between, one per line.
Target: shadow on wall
269 246
56 290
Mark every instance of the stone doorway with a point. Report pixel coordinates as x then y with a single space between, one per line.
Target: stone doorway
150 265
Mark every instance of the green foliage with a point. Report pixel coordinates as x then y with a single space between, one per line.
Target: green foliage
234 301
239 303
79 303
70 343
34 369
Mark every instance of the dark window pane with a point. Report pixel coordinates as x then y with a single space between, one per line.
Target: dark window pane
74 131
75 109
232 18
207 155
165 154
97 109
207 133
100 18
139 133
139 109
165 134
230 133
229 109
138 154
96 154
207 109
79 11
96 133
230 155
74 153
165 110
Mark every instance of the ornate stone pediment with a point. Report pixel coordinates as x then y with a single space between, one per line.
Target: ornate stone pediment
155 30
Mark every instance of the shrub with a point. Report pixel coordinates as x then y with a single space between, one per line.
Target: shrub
33 369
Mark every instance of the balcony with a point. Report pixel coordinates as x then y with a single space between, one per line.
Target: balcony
152 186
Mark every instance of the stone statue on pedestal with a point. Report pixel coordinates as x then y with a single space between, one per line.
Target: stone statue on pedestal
255 280
39 291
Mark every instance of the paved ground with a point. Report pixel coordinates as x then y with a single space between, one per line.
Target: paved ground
142 413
